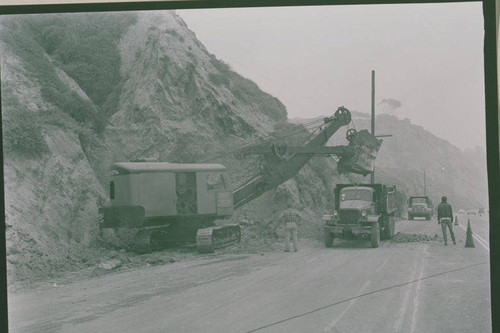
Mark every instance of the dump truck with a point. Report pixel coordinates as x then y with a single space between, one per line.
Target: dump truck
366 209
178 203
420 206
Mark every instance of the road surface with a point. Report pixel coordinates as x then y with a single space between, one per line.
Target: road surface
419 286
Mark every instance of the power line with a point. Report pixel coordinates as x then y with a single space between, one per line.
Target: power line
363 295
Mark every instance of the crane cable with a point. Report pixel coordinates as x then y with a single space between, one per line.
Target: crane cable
284 134
300 128
311 126
354 126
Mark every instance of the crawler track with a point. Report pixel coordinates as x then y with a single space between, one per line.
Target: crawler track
208 239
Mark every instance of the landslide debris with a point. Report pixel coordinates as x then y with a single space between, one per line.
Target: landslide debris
401 237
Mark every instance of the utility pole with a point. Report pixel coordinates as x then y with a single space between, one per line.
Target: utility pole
424 185
372 176
425 188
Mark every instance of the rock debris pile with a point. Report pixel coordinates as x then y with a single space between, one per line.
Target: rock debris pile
410 238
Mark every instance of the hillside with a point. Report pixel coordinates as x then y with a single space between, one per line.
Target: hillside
81 91
403 158
151 90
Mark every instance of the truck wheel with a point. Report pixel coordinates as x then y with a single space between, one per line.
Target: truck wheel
386 232
328 239
389 228
392 227
375 235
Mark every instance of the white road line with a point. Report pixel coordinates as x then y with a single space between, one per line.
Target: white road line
416 299
382 266
404 304
483 242
482 228
363 288
336 320
480 240
311 260
477 225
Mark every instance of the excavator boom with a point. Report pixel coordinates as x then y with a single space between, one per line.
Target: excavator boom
282 163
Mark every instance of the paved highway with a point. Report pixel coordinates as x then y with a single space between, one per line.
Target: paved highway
418 286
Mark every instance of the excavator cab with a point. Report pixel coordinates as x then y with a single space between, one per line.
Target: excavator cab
146 194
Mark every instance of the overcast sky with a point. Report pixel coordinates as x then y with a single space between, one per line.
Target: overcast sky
429 57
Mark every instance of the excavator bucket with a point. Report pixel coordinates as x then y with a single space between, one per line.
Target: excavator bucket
363 148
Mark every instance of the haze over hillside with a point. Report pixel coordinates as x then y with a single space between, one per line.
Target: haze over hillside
403 158
427 56
81 91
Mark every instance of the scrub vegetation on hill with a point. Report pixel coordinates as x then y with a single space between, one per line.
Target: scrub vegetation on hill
85 47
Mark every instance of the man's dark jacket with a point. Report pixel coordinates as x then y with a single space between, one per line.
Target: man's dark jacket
444 210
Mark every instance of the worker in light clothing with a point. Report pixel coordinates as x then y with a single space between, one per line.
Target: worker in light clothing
289 218
445 218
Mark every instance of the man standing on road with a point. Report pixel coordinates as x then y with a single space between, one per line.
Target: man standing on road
445 218
289 217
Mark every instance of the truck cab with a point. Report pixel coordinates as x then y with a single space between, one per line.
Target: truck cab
420 206
361 209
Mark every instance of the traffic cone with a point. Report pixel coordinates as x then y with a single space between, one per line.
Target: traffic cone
469 242
456 220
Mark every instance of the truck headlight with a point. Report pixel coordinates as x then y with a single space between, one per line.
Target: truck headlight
335 213
363 213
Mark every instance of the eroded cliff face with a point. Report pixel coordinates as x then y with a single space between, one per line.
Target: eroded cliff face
172 100
45 229
177 94
50 207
